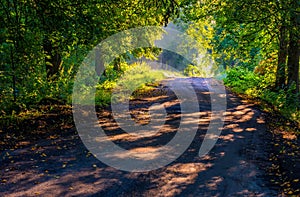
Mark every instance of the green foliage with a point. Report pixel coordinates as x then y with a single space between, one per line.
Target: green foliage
33 33
244 81
242 35
191 71
201 35
135 78
241 79
249 40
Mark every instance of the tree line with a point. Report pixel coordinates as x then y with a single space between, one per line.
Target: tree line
42 42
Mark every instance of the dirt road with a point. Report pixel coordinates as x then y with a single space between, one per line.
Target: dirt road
62 166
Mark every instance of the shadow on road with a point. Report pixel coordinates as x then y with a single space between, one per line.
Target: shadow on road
62 166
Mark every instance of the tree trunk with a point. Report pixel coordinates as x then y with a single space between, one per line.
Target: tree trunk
293 52
99 62
53 59
117 63
282 56
293 65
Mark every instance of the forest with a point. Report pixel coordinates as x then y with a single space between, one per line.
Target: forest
42 44
253 47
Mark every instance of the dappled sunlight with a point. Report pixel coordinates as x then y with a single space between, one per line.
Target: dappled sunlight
289 135
126 137
238 118
149 98
229 137
190 120
204 121
260 120
141 153
251 129
237 130
206 93
211 158
58 174
69 183
246 117
239 114
214 182
111 128
78 173
175 178
231 126
155 98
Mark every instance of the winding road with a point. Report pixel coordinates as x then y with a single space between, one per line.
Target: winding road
62 166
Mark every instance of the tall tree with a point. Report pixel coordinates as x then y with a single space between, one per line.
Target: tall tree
294 44
268 26
40 38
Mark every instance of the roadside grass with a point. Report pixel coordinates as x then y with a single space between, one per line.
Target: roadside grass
138 79
260 88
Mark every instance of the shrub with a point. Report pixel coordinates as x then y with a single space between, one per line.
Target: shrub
191 71
254 85
135 78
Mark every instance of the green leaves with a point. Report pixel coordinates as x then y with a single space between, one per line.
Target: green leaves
70 29
244 81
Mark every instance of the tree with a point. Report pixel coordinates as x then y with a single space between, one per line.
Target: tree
265 26
294 44
42 42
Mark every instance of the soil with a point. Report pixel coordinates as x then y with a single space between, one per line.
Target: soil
45 156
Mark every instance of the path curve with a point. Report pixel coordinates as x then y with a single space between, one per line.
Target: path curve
63 167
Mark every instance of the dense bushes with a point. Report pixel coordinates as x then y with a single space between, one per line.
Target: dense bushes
191 71
255 85
133 79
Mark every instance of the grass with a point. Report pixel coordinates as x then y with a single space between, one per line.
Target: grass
138 79
259 87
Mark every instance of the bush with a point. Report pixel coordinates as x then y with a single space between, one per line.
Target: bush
243 81
135 78
191 71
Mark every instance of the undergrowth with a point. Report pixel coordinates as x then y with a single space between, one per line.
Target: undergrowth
135 79
244 81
